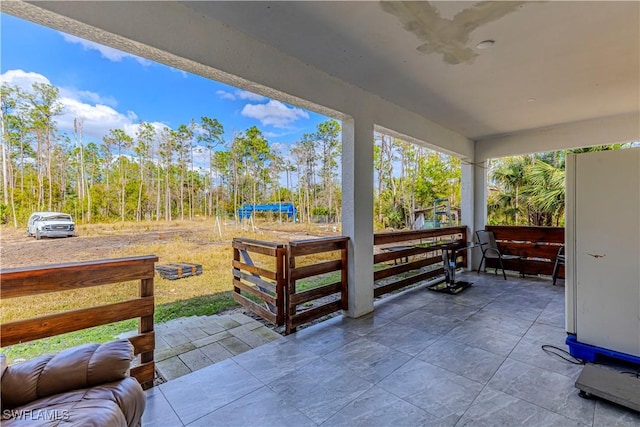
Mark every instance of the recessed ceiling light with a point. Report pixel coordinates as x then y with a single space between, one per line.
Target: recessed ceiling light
531 100
485 44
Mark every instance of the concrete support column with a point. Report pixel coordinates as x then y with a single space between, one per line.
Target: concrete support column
357 211
467 203
479 204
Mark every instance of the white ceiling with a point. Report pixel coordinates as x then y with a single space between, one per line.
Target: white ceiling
552 62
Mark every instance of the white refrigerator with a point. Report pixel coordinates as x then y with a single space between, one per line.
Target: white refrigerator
603 250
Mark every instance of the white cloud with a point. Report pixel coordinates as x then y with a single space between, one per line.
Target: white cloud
274 113
223 94
240 94
176 70
97 111
132 116
24 80
88 96
113 55
98 119
244 94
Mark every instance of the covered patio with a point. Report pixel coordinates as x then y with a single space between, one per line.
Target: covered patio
473 80
422 358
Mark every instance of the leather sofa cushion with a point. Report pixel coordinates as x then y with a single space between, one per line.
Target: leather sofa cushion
76 368
120 403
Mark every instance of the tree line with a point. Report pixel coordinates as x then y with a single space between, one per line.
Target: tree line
155 173
408 178
160 173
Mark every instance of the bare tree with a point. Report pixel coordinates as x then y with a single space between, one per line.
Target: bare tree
144 140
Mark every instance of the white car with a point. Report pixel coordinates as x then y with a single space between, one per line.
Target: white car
50 224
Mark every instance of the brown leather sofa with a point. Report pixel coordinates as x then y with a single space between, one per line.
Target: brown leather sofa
87 385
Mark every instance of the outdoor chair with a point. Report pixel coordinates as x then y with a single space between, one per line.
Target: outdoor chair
559 262
490 250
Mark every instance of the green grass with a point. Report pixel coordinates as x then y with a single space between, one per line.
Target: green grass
206 305
58 343
206 294
317 281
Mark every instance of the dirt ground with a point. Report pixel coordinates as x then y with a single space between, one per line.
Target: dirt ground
107 241
20 251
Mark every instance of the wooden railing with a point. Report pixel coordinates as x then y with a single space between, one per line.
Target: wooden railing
295 297
416 256
538 247
30 281
260 289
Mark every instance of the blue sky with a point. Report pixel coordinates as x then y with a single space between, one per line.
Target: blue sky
112 89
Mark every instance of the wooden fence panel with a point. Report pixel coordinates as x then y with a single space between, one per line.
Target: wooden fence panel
404 236
257 246
528 233
315 269
315 293
413 256
257 271
259 289
30 281
315 246
538 247
406 267
69 321
256 280
307 316
297 297
399 284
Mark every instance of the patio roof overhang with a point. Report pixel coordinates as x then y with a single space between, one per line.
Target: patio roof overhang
558 75
553 64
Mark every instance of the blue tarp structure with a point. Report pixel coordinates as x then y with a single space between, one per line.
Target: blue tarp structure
286 208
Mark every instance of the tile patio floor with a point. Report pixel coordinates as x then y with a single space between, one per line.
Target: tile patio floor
187 344
422 358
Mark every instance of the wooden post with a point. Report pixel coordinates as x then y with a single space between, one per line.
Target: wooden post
280 285
291 290
344 293
236 257
145 325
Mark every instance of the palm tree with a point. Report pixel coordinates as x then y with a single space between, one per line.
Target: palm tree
545 191
501 206
510 176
